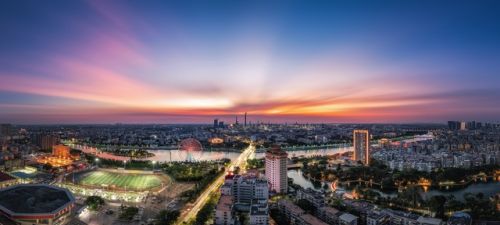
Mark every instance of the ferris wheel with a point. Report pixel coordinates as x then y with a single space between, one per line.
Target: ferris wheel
192 148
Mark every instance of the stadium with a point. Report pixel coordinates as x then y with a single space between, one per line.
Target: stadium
29 204
117 184
129 180
123 180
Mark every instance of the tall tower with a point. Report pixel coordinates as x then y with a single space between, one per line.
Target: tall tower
245 119
463 125
276 170
361 143
216 123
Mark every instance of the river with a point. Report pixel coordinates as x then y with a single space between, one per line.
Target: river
176 155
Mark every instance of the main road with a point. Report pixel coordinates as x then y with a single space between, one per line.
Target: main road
190 213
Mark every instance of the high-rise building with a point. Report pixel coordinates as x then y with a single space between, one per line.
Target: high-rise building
471 125
361 143
463 125
245 119
453 125
45 141
216 123
276 170
49 141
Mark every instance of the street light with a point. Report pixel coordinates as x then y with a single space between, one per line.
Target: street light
96 161
154 162
124 164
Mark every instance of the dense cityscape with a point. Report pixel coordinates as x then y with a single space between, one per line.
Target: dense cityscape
233 112
252 173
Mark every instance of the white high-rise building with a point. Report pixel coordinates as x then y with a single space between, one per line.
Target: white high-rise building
463 125
361 143
276 170
247 188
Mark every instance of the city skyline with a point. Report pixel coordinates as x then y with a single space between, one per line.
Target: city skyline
176 62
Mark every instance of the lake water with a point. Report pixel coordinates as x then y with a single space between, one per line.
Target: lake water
176 155
487 188
311 152
300 180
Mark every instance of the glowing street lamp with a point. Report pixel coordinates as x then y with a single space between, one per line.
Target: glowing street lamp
124 164
154 162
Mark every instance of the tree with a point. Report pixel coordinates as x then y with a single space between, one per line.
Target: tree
480 208
411 195
47 167
436 204
94 202
243 218
278 217
305 165
167 217
128 213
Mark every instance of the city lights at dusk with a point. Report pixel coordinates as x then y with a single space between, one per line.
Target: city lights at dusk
217 112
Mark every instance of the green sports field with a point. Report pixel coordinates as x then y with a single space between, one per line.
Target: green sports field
138 182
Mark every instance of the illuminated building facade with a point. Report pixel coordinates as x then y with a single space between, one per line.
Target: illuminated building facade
276 170
361 143
45 141
216 140
60 151
60 157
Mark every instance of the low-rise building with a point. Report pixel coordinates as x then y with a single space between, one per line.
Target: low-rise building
429 221
259 214
223 211
377 218
308 219
402 218
246 188
314 197
290 210
460 218
329 215
348 219
226 189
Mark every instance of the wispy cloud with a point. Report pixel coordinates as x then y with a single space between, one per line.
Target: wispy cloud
134 65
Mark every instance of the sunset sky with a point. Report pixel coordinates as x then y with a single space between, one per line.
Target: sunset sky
289 61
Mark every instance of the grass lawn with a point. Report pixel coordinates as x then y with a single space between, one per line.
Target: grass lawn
137 182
